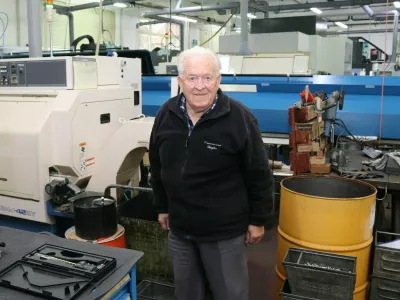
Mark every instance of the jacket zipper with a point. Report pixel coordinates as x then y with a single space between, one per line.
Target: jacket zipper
186 150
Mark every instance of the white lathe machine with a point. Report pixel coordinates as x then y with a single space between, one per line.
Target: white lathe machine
65 124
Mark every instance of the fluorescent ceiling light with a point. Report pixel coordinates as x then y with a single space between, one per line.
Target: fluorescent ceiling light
118 4
340 24
250 16
316 10
396 4
180 18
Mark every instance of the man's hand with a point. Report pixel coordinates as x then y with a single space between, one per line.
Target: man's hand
254 234
164 221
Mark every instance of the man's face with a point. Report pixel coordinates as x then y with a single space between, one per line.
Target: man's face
200 83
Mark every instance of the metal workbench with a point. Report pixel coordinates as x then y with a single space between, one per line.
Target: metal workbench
19 243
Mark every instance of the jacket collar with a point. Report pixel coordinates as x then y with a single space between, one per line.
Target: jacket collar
221 108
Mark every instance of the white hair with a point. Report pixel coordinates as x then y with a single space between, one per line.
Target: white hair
196 52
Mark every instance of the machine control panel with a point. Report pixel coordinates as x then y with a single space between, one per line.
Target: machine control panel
4 75
33 73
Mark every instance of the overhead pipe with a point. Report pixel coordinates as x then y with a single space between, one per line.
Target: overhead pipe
368 10
149 23
34 28
178 4
257 7
71 26
359 31
328 4
91 5
338 20
190 9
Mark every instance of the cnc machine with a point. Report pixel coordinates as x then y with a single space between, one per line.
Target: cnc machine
67 125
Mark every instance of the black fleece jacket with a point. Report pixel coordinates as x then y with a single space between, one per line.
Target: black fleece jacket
216 182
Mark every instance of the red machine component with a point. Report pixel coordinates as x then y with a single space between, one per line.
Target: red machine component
307 138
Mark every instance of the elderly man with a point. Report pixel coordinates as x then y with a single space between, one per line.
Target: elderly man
212 184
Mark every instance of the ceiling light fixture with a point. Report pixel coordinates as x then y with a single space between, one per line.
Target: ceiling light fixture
340 24
250 16
119 4
396 4
180 18
316 10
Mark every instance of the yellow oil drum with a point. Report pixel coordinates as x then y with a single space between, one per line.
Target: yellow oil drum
330 214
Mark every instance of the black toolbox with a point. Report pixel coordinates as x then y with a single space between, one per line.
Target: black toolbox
58 273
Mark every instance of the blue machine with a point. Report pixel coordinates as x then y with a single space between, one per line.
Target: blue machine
275 94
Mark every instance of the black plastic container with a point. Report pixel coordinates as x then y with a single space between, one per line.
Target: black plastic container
57 273
320 275
95 217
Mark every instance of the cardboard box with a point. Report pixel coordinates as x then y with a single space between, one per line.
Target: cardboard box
320 168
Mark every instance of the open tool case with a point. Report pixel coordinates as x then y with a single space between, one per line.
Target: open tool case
54 272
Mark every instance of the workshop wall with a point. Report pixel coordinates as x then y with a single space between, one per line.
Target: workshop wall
206 32
86 22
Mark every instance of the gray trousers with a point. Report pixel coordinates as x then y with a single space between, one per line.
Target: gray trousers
223 263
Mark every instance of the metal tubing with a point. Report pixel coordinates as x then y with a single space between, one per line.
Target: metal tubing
107 193
359 31
244 28
182 34
395 37
258 7
329 4
71 28
190 9
90 5
34 28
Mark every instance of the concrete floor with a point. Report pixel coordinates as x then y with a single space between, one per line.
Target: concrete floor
262 262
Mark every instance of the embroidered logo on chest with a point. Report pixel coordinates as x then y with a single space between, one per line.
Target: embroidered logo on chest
212 146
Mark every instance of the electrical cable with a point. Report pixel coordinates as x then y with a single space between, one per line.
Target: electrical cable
4 33
343 125
222 26
2 47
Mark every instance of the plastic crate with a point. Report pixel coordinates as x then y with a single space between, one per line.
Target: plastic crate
384 289
150 238
387 256
153 290
286 293
320 275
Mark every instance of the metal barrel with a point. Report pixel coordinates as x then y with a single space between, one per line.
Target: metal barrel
329 214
